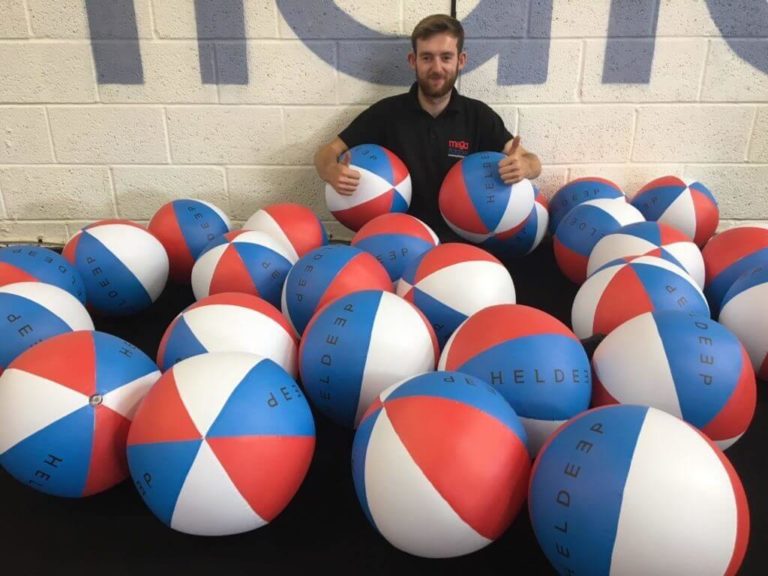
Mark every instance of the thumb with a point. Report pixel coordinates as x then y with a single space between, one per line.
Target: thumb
346 158
515 145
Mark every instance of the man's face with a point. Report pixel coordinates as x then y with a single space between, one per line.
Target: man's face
437 63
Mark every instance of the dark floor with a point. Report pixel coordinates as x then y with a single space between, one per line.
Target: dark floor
323 527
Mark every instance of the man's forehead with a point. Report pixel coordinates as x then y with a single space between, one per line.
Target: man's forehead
437 43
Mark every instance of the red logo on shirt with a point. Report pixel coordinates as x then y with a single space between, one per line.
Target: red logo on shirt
458 148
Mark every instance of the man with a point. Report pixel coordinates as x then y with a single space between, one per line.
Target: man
430 128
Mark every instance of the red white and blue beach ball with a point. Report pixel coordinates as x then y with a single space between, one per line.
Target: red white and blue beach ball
649 239
577 192
532 358
32 263
123 265
526 238
65 409
745 312
476 203
294 224
634 490
242 261
729 255
583 227
230 322
384 186
623 289
689 366
687 205
359 345
221 443
325 274
453 281
33 312
395 240
184 227
440 465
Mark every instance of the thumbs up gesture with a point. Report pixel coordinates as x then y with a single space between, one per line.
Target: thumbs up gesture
514 167
343 178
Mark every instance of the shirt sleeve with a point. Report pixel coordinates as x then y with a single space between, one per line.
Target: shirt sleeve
365 129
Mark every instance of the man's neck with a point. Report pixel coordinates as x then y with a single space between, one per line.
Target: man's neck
434 106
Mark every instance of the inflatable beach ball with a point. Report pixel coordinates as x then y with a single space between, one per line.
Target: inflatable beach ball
532 358
440 465
687 205
583 227
123 265
221 443
242 261
184 228
32 263
634 490
325 274
689 366
357 346
623 289
477 204
649 239
229 322
294 224
577 192
385 186
745 312
34 311
65 409
453 281
395 240
524 239
729 255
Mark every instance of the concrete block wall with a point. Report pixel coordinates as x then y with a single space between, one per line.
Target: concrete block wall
76 145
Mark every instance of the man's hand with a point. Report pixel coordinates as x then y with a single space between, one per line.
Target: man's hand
343 178
516 165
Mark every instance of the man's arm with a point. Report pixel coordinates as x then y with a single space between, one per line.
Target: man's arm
338 174
519 163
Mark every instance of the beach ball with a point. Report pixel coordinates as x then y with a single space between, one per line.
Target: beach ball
634 490
123 265
577 192
325 274
583 227
728 255
359 345
395 240
476 203
32 263
31 312
745 312
242 261
184 227
453 281
687 205
384 186
221 443
65 409
294 224
526 238
439 464
689 366
649 239
229 322
532 358
622 289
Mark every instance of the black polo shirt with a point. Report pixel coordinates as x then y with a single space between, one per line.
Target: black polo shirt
428 146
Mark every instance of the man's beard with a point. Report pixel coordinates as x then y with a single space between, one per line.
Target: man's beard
447 86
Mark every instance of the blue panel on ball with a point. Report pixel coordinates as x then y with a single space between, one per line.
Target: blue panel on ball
584 226
199 224
159 471
374 159
359 453
47 266
118 362
486 189
720 284
394 251
444 319
181 344
670 291
56 459
266 268
577 488
654 202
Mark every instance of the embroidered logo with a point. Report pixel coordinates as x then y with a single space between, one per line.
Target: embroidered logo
458 148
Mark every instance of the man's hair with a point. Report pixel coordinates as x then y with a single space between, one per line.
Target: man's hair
437 24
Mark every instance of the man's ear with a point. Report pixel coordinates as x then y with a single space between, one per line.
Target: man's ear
412 60
462 60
